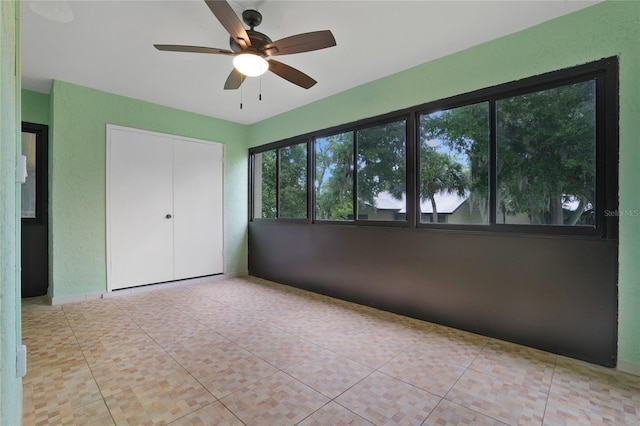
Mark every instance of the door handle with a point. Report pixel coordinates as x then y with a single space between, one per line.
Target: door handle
168 216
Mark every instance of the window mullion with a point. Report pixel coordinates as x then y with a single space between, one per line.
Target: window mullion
493 163
277 183
355 176
311 179
412 201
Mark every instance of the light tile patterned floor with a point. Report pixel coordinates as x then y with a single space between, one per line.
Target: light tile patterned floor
248 351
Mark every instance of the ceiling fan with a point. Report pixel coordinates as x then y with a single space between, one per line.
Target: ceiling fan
252 50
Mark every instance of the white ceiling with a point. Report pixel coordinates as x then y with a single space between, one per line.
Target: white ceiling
109 46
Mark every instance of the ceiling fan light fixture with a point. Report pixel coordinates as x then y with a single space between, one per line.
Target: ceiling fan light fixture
250 64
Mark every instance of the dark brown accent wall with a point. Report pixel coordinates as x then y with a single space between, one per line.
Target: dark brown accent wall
555 293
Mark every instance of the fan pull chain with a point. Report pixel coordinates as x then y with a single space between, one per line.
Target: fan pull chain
240 97
260 93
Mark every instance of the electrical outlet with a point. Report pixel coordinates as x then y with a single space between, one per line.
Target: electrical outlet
21 361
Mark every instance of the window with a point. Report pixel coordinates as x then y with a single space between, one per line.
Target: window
279 184
537 155
546 157
334 177
453 176
382 172
264 185
29 193
292 181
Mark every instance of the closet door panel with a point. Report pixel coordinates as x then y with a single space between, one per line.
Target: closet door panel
141 235
198 210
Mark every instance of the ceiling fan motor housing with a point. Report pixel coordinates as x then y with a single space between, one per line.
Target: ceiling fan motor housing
252 18
258 40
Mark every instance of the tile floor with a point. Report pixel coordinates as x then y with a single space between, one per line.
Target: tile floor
247 351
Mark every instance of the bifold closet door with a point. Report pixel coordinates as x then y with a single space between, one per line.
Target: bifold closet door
197 204
140 209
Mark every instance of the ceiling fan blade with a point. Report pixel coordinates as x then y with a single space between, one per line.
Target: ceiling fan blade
291 74
230 21
305 42
234 81
192 49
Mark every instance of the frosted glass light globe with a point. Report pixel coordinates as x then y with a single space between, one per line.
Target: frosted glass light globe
250 65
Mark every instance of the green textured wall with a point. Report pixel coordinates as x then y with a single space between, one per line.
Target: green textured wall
35 107
10 384
79 116
606 29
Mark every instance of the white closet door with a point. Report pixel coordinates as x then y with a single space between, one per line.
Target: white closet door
198 210
140 198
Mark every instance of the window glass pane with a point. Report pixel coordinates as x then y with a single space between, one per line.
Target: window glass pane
546 157
454 165
382 172
29 186
264 185
334 177
293 181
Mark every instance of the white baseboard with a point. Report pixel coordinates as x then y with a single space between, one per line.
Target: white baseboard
225 276
171 284
75 298
97 295
629 367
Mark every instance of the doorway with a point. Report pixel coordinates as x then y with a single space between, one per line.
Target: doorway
34 208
